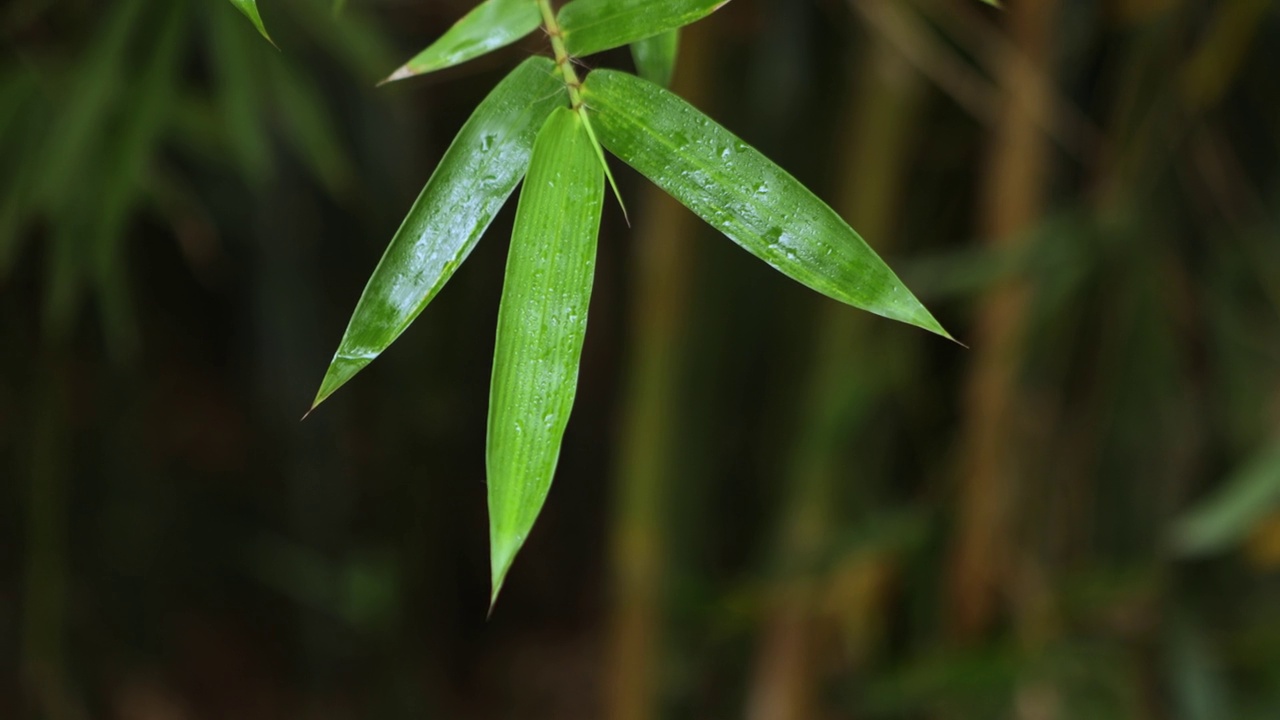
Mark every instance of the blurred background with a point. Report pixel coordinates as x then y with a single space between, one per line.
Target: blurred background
769 506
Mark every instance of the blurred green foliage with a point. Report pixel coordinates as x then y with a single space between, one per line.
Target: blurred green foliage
187 214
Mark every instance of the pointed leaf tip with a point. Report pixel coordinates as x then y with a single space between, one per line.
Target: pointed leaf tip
491 25
743 194
475 177
250 10
542 321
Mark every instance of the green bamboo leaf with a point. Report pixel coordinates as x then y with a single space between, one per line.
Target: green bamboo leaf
491 25
744 195
250 10
655 57
1228 515
474 178
541 325
241 99
592 26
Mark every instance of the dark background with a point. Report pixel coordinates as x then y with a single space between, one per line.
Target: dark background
768 505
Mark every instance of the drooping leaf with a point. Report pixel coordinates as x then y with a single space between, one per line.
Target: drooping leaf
493 24
592 26
145 112
655 57
75 133
541 325
1223 519
250 10
71 169
474 178
744 195
241 99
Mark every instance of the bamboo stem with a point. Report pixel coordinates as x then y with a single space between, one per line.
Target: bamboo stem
662 269
1012 200
788 665
564 63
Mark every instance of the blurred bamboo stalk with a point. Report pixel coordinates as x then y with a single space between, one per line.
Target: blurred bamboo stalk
663 268
1011 201
45 596
787 672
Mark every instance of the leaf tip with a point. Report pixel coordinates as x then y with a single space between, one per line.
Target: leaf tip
404 71
502 556
340 371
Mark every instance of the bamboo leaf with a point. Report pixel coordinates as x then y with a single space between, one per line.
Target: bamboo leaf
541 325
744 195
655 57
491 25
474 178
1228 515
592 26
241 99
250 10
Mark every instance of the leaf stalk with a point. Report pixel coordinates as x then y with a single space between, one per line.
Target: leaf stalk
564 63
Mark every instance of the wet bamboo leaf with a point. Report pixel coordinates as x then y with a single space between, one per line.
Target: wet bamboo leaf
592 26
250 10
541 325
491 25
656 57
474 178
744 195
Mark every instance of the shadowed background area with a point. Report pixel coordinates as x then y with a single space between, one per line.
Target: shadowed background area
768 505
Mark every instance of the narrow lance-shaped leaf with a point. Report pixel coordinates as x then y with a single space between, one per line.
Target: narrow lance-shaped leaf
1228 515
744 195
491 25
592 26
250 10
474 178
541 325
655 57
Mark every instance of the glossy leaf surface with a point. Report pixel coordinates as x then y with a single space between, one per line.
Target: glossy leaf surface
541 326
474 178
655 57
491 25
250 10
744 195
592 26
